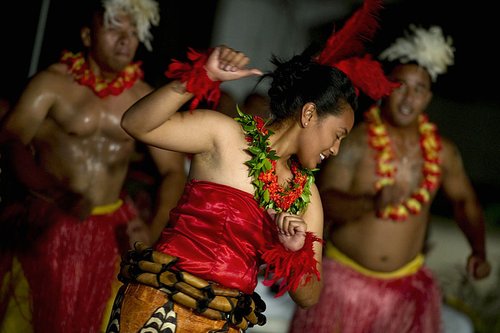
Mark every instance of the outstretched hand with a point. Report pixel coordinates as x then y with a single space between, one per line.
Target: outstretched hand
225 64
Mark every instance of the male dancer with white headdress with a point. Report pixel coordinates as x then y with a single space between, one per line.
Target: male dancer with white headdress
77 223
377 194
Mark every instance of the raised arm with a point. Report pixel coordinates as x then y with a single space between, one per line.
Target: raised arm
155 121
466 207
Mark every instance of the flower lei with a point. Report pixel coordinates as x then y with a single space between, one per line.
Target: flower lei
268 192
430 145
82 74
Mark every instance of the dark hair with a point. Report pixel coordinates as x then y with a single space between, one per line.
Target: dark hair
301 80
89 10
390 65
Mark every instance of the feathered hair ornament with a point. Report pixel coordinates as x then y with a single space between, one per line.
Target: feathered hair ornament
428 48
345 50
145 13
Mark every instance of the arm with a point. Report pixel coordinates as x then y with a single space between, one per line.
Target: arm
307 294
172 170
32 107
154 118
466 208
20 127
30 176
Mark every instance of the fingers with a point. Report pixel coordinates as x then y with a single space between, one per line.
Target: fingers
289 224
231 60
225 64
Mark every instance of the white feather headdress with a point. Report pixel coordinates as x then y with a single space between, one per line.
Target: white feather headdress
145 13
428 48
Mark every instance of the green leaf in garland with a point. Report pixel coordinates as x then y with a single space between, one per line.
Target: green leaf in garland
266 196
267 165
260 162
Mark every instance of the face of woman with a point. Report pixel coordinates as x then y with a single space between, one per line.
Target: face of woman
322 137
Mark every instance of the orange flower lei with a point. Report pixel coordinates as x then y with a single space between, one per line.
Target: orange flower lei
262 166
430 145
82 73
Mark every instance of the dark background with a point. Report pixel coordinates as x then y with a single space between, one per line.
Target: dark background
473 26
181 24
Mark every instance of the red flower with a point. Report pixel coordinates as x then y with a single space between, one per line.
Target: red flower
259 124
83 75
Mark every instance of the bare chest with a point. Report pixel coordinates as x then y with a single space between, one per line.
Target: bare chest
408 169
80 113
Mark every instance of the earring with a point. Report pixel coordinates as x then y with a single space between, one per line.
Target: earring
306 123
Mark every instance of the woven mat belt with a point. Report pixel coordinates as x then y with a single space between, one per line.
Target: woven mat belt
152 268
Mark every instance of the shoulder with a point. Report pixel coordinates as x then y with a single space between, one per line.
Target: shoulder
344 165
45 86
221 129
353 147
451 158
449 150
142 88
212 117
358 135
228 126
51 77
56 70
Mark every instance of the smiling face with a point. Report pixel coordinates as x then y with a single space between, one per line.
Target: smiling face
322 136
408 101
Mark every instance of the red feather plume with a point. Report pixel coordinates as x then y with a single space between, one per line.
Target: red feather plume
349 41
345 50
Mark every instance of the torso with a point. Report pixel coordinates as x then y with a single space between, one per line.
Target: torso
387 245
230 254
81 141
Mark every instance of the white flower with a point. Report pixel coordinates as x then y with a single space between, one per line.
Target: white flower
144 13
428 48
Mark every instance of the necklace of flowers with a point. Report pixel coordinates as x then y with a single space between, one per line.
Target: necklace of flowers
430 145
82 74
292 198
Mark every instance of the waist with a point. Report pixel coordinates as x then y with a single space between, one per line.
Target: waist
155 269
107 209
408 269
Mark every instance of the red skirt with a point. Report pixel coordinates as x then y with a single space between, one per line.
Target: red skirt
71 266
355 302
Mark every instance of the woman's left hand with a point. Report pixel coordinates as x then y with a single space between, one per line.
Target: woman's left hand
225 64
291 229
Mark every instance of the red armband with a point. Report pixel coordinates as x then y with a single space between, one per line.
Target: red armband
194 74
287 268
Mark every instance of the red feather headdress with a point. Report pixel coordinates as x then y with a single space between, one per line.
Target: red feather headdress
345 50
